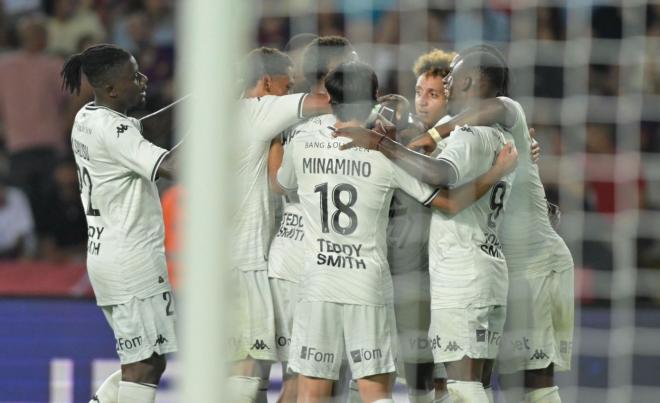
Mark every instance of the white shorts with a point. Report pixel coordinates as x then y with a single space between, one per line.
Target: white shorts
284 294
474 332
539 326
412 307
326 333
143 327
254 319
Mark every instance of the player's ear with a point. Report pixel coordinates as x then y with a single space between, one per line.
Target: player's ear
110 90
467 83
268 83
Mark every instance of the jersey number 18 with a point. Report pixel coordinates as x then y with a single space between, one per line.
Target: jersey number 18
342 208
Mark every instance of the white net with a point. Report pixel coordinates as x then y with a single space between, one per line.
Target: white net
587 73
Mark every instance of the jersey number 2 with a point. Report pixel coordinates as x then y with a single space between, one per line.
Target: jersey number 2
85 179
342 208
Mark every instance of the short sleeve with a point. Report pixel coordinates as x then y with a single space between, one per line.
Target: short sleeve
512 111
413 186
464 148
272 114
286 175
126 145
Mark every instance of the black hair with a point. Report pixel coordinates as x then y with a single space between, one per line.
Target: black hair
318 55
492 65
264 61
353 88
96 62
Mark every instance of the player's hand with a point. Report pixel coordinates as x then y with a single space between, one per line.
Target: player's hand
360 136
507 160
398 103
423 144
535 148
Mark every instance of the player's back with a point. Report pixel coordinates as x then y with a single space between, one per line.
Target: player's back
345 198
117 168
260 119
465 255
285 258
528 239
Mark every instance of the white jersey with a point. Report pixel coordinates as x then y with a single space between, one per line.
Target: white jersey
260 120
530 243
345 198
466 262
285 260
116 170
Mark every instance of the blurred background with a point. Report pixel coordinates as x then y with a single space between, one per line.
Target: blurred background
586 71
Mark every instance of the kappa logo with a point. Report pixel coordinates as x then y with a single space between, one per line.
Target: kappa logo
160 340
259 345
121 129
539 355
453 346
466 129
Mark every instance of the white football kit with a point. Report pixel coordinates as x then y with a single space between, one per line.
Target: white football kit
260 120
468 272
117 168
285 259
345 293
539 328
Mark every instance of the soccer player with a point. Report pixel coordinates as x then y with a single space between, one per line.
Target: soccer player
265 110
408 242
285 260
468 271
117 168
538 335
345 197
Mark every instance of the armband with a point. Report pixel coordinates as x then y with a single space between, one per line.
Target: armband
434 135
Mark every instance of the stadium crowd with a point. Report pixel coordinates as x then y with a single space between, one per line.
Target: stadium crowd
39 214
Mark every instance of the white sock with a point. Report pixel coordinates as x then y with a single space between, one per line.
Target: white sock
468 392
108 392
489 394
543 395
439 371
262 393
131 392
421 396
354 392
243 389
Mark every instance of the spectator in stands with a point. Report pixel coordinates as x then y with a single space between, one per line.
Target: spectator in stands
64 226
17 235
32 107
70 23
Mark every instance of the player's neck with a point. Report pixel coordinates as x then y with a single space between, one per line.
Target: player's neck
351 123
110 105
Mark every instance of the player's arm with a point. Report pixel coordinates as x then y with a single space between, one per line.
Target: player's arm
170 165
435 172
286 180
486 112
453 201
315 104
275 155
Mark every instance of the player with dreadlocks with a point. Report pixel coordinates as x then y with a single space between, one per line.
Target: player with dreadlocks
126 263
